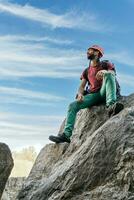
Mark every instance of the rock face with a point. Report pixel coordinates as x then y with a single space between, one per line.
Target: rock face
6 165
13 186
98 164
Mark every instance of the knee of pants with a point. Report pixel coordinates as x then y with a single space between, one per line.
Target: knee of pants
74 106
109 75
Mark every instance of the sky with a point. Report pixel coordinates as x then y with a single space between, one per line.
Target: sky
43 48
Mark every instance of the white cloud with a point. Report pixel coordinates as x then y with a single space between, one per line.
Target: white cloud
19 130
32 119
21 59
126 79
126 58
26 133
10 72
10 95
123 57
28 38
17 144
72 19
49 60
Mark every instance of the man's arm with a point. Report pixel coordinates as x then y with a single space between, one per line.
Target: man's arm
101 73
80 96
108 68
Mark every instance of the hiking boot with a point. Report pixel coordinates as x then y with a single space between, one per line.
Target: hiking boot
59 139
115 108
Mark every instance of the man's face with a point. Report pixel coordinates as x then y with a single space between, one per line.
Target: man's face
92 54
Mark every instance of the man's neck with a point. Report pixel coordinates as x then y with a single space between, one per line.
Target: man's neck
94 63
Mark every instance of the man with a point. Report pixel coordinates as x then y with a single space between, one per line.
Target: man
102 88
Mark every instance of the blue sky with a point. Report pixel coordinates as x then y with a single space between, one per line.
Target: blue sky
43 53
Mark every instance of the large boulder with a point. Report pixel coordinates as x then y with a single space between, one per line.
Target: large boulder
6 165
98 164
13 186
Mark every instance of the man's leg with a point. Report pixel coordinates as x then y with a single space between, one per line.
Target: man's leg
108 91
89 100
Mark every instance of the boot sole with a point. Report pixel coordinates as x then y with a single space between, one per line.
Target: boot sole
56 139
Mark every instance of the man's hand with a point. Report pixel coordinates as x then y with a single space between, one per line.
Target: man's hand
79 97
100 74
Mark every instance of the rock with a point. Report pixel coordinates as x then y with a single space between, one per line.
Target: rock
6 165
98 164
13 186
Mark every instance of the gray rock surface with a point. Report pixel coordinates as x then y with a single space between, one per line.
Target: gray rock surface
98 164
6 165
13 186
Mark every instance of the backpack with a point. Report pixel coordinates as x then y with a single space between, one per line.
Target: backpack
104 64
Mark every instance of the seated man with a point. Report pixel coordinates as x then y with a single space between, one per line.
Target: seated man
100 77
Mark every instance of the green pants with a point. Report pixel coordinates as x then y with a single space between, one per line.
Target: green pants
106 94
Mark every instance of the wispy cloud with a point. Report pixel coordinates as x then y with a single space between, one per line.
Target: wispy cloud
23 96
11 72
126 58
123 57
42 59
29 129
72 19
30 119
21 135
21 59
126 79
21 130
30 38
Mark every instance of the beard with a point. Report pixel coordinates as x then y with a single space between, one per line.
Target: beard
91 56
